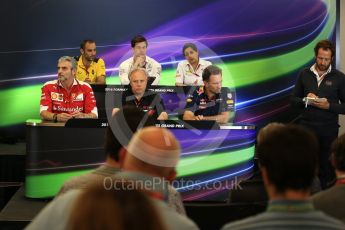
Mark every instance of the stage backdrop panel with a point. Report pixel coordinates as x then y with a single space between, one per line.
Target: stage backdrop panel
261 45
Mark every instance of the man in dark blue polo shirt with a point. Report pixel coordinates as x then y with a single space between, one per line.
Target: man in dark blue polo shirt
210 102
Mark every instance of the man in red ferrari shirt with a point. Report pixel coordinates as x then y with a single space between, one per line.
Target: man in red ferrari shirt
66 97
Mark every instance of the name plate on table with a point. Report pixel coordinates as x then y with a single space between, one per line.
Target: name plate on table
179 124
172 124
86 123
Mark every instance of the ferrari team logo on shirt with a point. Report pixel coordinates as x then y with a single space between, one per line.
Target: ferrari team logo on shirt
79 97
56 96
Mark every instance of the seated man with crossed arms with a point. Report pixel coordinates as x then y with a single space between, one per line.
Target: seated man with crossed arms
140 60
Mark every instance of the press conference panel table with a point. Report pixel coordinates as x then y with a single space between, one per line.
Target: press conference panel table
213 157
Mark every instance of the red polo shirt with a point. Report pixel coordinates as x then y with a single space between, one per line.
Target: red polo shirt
56 99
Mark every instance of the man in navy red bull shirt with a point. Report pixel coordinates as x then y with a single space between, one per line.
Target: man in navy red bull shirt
210 102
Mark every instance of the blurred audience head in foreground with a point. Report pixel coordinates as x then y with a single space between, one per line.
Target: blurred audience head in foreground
116 208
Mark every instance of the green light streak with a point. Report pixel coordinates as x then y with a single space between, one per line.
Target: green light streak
201 164
19 104
45 186
113 80
34 120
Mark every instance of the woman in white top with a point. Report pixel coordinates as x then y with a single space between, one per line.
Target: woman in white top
189 71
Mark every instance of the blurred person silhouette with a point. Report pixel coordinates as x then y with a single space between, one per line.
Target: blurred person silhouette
123 124
331 201
288 158
154 162
118 208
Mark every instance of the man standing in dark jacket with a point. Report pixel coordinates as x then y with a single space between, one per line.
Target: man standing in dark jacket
320 91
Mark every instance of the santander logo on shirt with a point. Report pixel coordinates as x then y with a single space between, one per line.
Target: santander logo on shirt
68 110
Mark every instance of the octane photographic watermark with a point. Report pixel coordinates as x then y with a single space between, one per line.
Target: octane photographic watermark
156 183
160 184
196 185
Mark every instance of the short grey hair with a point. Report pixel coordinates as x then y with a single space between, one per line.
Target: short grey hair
138 69
69 59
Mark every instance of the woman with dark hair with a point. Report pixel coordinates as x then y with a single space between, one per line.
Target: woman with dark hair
189 71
